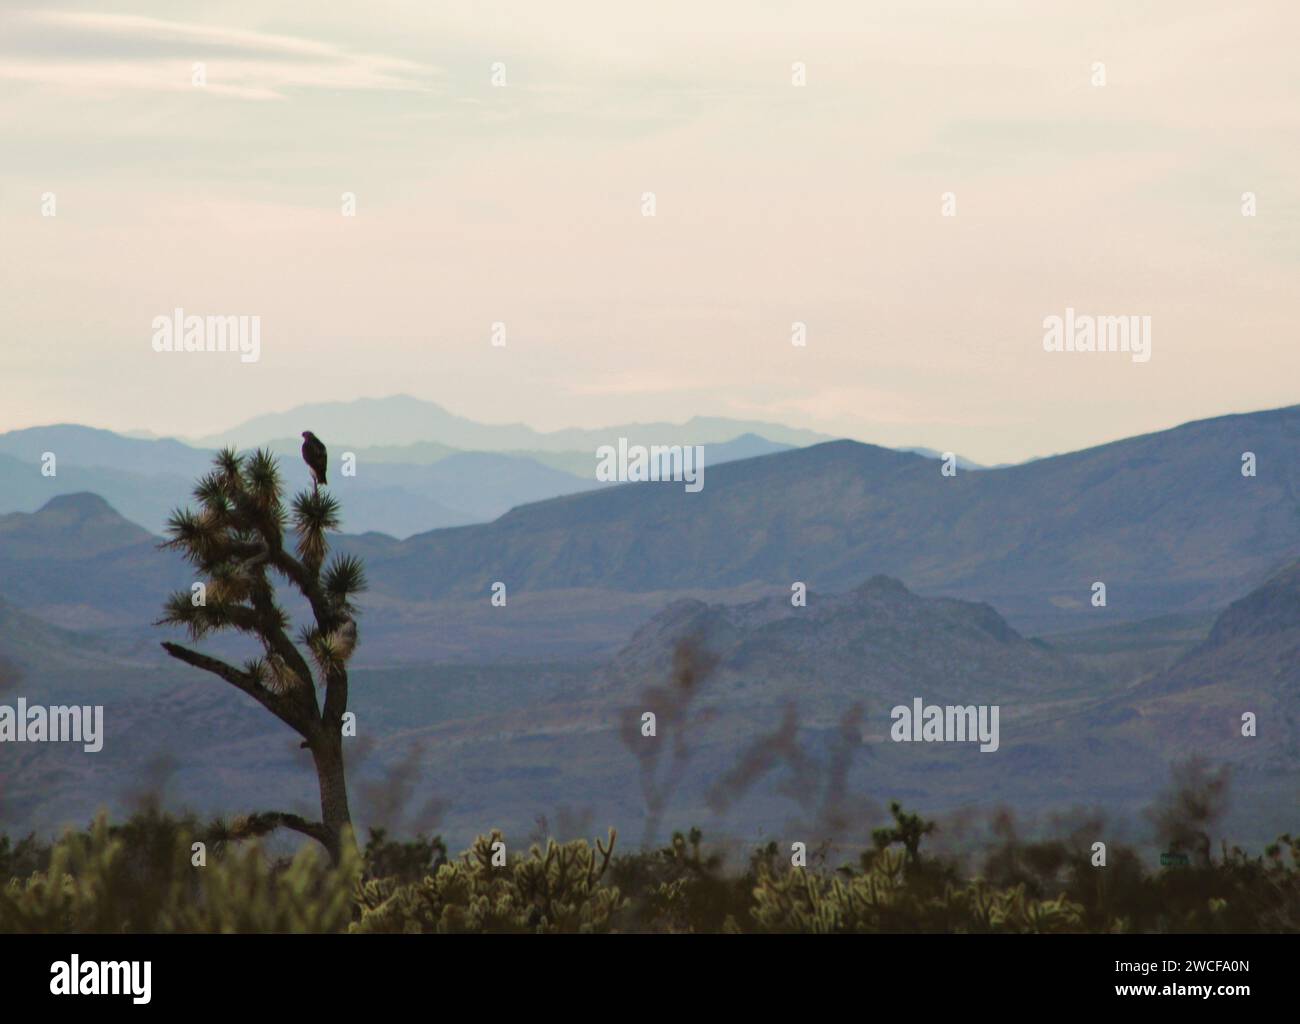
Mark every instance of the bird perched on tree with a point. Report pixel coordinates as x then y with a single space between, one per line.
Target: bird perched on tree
314 454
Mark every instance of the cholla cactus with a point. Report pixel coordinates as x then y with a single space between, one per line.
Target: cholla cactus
235 539
558 890
74 894
243 893
880 899
93 884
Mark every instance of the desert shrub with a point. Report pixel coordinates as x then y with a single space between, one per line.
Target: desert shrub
20 859
1239 893
243 892
400 861
679 888
556 890
883 899
139 878
91 884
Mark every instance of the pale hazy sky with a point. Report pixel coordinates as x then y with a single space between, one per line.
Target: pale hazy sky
775 204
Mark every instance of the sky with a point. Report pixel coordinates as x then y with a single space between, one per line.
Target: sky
1094 154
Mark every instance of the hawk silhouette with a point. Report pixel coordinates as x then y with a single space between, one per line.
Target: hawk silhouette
317 459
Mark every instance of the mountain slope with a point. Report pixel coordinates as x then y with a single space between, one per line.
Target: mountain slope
878 641
90 447
1249 662
1253 646
1166 520
143 499
69 527
79 564
30 645
481 485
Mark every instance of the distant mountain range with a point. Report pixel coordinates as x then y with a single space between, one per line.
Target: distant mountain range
417 466
403 420
1166 521
397 489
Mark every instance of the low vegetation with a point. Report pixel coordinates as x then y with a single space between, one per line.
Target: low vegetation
142 876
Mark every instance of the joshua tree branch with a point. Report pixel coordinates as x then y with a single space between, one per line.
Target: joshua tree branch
262 621
283 709
327 616
268 821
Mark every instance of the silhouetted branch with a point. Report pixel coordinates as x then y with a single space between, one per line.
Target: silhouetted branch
277 704
264 822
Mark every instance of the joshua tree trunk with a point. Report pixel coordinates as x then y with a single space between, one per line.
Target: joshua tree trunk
328 755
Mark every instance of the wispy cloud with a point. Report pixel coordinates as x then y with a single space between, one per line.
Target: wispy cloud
82 51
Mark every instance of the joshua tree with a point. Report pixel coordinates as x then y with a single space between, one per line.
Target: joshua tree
235 539
908 829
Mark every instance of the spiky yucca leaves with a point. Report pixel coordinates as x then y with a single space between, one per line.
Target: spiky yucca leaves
236 535
344 579
238 505
330 651
235 538
314 512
